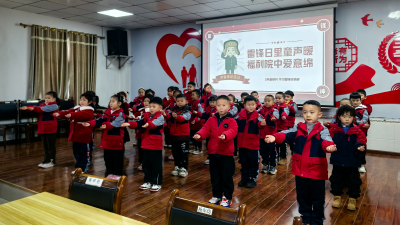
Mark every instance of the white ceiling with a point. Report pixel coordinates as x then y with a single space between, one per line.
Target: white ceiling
150 13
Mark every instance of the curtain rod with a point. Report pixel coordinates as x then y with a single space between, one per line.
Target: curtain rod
26 25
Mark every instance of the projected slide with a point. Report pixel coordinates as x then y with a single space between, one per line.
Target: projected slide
268 57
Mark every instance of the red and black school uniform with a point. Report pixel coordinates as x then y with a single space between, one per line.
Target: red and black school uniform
362 117
222 164
346 160
180 135
137 103
258 105
188 95
168 105
281 126
47 129
152 145
196 106
79 135
309 166
140 115
125 106
205 99
267 150
112 139
249 125
291 118
206 115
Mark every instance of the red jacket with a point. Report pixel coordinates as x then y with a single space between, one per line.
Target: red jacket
47 123
291 118
268 113
208 113
258 105
79 133
152 136
188 97
309 157
112 137
197 106
214 128
283 111
361 126
248 130
369 107
204 98
362 115
168 102
137 103
180 129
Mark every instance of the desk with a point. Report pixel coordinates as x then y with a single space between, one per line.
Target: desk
46 208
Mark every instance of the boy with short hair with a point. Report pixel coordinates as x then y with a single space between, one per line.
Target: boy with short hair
240 105
363 94
149 92
180 134
267 150
190 87
291 119
233 109
221 129
281 124
350 141
152 144
310 166
196 122
249 123
255 94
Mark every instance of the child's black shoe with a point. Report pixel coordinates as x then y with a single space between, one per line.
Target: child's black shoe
243 182
251 183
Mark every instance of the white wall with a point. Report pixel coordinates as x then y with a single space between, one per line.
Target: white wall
15 45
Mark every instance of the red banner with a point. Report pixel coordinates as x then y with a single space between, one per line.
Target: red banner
231 77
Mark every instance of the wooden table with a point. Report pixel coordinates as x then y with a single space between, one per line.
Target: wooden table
46 208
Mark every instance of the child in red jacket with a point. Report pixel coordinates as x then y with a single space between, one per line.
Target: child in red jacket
211 109
281 124
191 86
249 124
79 135
255 94
196 123
291 119
138 116
206 94
267 150
221 129
152 144
47 127
309 161
112 138
180 135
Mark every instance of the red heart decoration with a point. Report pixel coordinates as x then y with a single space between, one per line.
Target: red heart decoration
170 39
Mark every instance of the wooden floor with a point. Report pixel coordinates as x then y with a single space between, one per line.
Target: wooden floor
273 201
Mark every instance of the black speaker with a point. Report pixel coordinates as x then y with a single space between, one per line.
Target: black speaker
117 42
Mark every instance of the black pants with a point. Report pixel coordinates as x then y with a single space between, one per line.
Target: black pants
268 153
167 136
340 175
222 169
81 155
91 148
363 154
236 148
152 166
114 160
281 149
196 144
311 198
140 150
207 141
49 144
291 145
249 160
180 151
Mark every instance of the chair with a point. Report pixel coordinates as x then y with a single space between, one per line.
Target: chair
107 196
65 104
182 211
9 111
30 116
297 221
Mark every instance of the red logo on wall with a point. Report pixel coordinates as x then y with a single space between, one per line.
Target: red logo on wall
346 54
389 52
170 39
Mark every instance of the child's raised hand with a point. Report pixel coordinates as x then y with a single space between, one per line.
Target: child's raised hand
103 126
163 113
325 123
366 126
86 124
68 116
361 148
196 136
174 115
125 125
146 125
331 148
222 137
195 112
269 139
193 122
273 119
283 117
263 122
56 114
23 108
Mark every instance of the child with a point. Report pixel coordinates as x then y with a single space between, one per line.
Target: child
281 125
206 94
196 122
79 135
112 138
47 127
138 101
255 94
291 119
350 141
211 109
150 92
168 110
152 144
363 94
249 123
191 86
362 117
240 105
125 106
267 150
309 166
221 129
344 101
233 109
180 135
168 103
140 115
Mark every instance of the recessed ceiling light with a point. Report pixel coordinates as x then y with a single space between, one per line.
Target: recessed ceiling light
115 13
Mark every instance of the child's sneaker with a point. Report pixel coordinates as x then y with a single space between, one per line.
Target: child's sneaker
282 162
225 202
362 169
265 169
155 187
145 186
169 146
192 150
171 157
207 162
41 164
214 201
175 172
183 172
272 170
48 165
251 183
198 151
243 182
352 204
337 201
140 167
